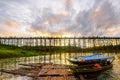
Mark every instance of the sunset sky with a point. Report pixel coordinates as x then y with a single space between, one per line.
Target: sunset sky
60 18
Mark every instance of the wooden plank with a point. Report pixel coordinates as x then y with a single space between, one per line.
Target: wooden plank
57 78
71 77
41 78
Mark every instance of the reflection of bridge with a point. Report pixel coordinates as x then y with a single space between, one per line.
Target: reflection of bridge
83 42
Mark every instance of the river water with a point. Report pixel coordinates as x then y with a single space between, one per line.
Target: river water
13 63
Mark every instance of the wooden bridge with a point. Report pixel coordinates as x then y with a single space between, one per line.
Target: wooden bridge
82 42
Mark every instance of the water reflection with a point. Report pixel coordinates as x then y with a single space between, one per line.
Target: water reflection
61 58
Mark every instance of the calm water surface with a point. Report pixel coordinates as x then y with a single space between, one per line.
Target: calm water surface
12 63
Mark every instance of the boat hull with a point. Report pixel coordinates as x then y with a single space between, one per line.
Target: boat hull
91 73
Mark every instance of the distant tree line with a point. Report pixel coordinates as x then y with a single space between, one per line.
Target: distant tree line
110 48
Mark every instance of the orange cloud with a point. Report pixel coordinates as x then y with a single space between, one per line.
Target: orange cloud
112 31
62 33
68 2
7 33
34 32
12 24
64 13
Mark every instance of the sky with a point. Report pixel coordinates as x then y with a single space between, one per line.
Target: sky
60 18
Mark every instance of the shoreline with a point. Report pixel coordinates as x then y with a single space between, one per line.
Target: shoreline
7 51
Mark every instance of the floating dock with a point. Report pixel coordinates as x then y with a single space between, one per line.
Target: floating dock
47 71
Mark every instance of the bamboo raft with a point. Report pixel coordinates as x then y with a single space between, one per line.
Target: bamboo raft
47 71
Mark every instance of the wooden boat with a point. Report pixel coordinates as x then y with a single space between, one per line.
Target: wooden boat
95 58
91 71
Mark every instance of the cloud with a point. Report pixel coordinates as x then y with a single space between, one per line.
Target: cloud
61 17
113 31
96 20
11 24
6 33
68 4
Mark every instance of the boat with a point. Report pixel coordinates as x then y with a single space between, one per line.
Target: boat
91 66
91 59
91 71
